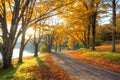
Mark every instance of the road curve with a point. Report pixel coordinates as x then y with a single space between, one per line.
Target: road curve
82 70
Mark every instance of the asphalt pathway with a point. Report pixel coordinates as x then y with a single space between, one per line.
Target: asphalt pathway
83 71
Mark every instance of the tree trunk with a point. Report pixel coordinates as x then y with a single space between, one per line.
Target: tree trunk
49 48
7 51
85 46
114 25
59 47
6 46
56 48
88 37
20 59
93 30
93 38
113 41
22 46
36 51
85 40
7 60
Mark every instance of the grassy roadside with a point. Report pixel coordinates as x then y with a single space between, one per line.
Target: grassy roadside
34 68
107 60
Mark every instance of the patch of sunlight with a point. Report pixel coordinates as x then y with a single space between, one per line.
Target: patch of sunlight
43 55
23 72
23 76
113 57
84 50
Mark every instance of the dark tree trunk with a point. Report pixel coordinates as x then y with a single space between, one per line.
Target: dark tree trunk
49 48
85 46
20 59
7 60
93 30
85 40
93 38
114 25
36 51
6 46
88 37
59 47
56 47
113 41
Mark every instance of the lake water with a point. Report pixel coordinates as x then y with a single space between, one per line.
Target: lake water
28 51
16 54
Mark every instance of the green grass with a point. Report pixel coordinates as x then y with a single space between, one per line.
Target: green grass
8 73
23 71
112 56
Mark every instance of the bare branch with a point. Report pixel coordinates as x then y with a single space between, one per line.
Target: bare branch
51 11
45 18
10 6
117 1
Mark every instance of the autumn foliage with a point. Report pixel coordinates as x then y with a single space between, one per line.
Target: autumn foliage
104 60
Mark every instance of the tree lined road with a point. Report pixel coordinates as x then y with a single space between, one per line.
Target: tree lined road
82 70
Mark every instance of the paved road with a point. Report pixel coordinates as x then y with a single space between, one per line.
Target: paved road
82 70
